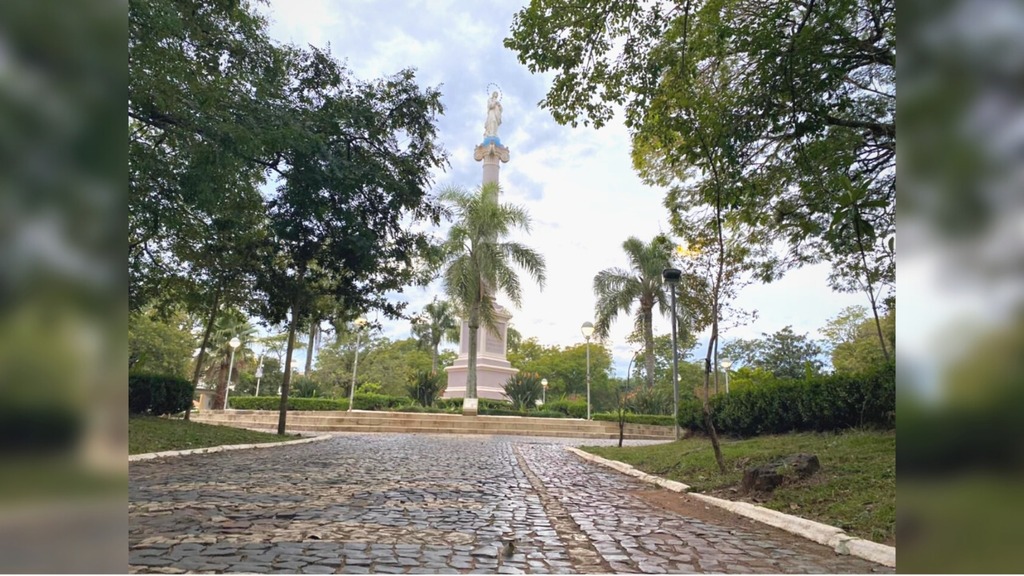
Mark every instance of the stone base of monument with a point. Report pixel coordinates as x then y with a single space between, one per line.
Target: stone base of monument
469 407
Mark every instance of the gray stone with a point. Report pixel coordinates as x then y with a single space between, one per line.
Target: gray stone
318 569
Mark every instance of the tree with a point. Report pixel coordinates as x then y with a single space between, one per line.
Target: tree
436 323
269 384
807 89
390 363
618 289
784 354
851 335
481 260
230 324
159 345
355 178
566 370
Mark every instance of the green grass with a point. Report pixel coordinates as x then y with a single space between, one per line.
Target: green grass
152 434
854 490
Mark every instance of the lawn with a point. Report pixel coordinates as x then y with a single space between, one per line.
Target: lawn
152 434
854 490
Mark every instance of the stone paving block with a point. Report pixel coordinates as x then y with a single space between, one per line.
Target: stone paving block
399 502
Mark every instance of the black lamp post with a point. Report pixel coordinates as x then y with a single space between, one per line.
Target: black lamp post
672 276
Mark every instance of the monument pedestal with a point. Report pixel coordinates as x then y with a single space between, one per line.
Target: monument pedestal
492 369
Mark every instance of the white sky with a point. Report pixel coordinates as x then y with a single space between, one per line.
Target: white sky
577 184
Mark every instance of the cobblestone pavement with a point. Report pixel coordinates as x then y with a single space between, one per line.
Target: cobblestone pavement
433 504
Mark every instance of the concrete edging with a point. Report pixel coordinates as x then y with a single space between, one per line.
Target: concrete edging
224 448
824 534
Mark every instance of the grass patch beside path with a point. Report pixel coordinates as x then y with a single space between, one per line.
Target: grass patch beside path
855 489
153 434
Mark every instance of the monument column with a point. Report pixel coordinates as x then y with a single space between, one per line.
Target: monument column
492 368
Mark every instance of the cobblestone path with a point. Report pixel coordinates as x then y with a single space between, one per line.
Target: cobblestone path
433 504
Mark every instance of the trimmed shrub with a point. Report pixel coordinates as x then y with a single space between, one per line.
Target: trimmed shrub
274 403
823 403
426 387
649 419
531 414
449 403
417 408
158 394
570 408
379 401
523 390
488 404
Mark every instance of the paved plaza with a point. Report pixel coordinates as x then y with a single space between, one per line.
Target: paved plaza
437 504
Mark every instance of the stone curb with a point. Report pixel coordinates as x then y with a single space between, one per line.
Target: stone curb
824 534
212 449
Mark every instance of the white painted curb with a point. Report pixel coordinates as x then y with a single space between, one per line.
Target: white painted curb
824 534
212 449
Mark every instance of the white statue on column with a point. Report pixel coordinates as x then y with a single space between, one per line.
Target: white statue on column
493 116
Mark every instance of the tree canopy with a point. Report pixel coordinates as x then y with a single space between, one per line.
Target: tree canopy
792 104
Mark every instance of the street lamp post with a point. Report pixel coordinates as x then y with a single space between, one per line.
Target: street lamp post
259 375
588 330
544 391
726 364
672 276
359 322
233 343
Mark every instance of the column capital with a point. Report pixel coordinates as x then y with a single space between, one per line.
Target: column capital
491 150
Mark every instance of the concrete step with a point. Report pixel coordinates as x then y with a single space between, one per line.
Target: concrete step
427 423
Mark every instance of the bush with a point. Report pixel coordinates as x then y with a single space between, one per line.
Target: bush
645 400
649 419
158 394
369 388
822 403
417 408
274 403
449 403
570 408
378 401
531 414
523 390
305 387
426 387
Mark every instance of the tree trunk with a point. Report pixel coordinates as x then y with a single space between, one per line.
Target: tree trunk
202 350
648 345
716 367
286 384
220 399
713 342
433 357
309 347
871 288
474 325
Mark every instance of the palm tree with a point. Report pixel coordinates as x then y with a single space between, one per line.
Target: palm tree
437 322
480 260
617 289
230 324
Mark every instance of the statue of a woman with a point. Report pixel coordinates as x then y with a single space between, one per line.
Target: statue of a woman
493 116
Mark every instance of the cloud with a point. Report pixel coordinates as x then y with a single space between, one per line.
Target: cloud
578 184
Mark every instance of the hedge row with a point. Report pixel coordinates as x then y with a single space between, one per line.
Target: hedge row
274 403
632 418
158 394
571 408
830 402
363 401
527 413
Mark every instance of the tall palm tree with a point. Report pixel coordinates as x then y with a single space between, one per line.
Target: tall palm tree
617 289
230 324
480 260
437 322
